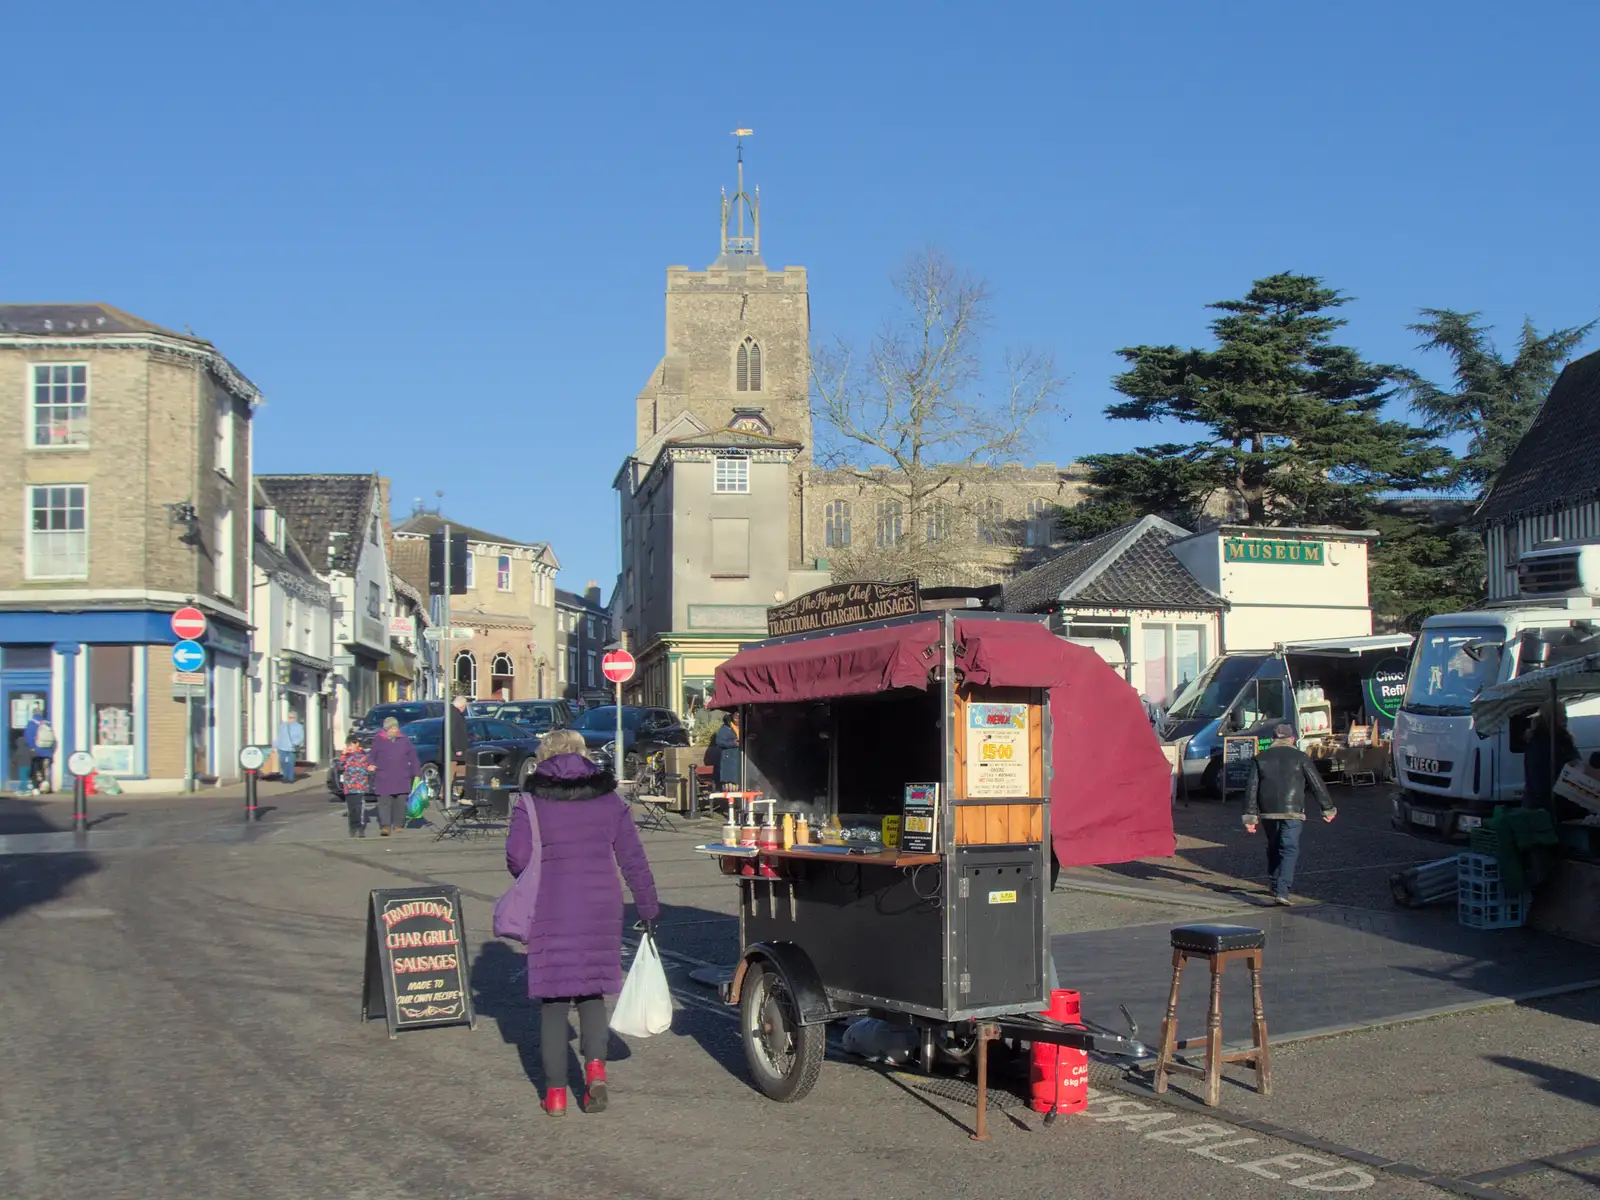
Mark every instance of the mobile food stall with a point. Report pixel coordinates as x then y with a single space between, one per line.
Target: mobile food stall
922 769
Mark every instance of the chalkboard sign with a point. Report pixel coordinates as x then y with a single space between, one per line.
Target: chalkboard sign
417 959
1237 755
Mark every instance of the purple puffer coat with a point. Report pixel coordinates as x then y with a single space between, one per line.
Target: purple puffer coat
586 832
394 764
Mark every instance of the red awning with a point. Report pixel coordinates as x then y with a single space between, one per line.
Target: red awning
1111 792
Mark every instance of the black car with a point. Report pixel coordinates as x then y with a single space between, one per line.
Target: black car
644 730
538 716
404 711
487 733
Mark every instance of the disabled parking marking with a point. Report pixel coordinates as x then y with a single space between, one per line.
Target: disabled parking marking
1222 1144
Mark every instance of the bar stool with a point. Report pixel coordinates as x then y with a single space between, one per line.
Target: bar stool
1218 945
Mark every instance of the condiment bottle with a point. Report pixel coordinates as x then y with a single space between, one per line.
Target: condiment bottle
802 831
768 837
788 830
749 835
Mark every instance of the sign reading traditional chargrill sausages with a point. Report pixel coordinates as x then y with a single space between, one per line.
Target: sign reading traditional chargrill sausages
417 958
844 604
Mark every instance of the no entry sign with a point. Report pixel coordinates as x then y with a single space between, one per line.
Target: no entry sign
189 623
618 666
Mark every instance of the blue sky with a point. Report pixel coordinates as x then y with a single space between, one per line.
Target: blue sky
436 235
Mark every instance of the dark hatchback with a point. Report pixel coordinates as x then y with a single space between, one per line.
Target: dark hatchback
487 733
644 730
537 716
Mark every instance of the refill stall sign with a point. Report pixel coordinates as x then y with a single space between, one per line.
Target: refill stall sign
997 750
919 819
416 958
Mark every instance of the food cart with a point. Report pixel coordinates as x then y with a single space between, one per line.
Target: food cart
939 757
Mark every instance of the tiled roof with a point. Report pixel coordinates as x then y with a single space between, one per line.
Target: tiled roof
49 319
1558 460
319 506
408 558
578 600
425 524
1129 567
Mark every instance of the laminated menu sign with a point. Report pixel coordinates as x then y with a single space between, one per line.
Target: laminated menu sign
919 819
416 959
997 750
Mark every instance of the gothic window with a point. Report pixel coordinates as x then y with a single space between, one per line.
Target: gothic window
466 674
890 523
990 516
938 520
747 373
1039 522
836 523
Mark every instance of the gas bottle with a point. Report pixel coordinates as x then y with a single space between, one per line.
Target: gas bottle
1060 1074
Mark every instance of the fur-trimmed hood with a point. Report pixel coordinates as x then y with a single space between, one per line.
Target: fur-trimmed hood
571 777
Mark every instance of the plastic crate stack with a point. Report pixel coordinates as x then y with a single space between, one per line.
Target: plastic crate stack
1481 900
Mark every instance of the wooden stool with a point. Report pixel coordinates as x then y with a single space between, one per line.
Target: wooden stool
1218 945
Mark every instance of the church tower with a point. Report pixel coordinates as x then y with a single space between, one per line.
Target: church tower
738 337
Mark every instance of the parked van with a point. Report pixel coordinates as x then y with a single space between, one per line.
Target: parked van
1318 687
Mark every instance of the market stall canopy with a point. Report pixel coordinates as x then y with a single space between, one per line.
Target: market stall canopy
1111 795
1348 647
1571 680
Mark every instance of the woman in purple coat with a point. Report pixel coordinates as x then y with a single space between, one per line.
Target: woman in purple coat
575 946
394 768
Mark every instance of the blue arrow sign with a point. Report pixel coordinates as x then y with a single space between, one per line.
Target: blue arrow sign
188 656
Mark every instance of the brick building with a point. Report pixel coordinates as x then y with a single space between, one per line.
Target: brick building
129 446
509 604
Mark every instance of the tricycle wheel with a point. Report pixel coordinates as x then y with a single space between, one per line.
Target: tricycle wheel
785 1056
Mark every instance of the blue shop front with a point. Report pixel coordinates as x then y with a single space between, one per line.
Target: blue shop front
103 679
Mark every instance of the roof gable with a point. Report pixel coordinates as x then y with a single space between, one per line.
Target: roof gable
428 524
1557 462
329 515
1129 567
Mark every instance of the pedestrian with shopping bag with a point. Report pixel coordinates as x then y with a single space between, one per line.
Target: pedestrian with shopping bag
394 769
568 836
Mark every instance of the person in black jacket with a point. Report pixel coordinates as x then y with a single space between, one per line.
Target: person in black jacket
460 739
1550 747
1276 795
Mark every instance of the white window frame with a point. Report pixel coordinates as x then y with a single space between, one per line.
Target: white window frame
504 573
561 668
222 572
224 442
471 573
32 405
28 530
572 666
728 480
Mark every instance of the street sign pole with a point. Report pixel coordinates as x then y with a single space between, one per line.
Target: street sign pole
621 764
447 767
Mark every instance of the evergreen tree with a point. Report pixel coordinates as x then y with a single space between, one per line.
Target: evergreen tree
1493 401
1292 426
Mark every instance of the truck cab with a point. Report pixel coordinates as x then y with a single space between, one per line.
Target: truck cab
1450 778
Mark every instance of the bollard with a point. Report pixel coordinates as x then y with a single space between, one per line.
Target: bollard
80 805
251 811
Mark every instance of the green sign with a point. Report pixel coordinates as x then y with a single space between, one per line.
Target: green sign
1385 687
1260 550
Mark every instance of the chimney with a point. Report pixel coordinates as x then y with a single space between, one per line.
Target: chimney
591 593
387 526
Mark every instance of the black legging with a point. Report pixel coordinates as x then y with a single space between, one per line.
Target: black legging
592 1034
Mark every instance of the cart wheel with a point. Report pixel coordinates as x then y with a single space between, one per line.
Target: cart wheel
785 1056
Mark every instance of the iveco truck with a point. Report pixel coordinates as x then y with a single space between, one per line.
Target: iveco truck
1450 778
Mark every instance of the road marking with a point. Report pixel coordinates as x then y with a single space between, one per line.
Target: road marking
1208 1139
73 914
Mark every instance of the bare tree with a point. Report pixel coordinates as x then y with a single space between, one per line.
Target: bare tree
920 403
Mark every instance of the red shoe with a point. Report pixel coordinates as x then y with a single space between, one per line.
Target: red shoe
594 1076
555 1102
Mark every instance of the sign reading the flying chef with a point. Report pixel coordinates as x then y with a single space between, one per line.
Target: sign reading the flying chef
844 604
1260 550
416 959
997 750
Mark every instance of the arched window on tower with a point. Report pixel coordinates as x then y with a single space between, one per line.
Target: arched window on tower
466 675
1039 522
747 369
938 520
836 523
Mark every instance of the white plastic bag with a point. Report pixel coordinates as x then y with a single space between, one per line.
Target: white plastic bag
645 1006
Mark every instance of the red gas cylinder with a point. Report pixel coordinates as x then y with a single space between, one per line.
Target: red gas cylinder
1060 1074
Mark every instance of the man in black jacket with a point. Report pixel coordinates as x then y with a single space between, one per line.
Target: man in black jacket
1276 794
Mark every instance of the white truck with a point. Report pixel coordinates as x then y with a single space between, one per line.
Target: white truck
1450 778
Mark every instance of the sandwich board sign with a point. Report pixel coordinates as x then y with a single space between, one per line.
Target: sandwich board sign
417 959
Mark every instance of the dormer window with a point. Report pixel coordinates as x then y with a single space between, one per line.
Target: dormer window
747 371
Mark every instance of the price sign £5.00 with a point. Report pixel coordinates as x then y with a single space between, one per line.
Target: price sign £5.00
997 750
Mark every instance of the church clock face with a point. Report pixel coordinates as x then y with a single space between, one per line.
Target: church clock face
752 424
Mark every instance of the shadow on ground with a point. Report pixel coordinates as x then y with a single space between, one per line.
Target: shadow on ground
29 880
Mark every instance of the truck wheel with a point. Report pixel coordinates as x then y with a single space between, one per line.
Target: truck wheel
785 1056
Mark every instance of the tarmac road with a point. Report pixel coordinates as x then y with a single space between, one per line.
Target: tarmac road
183 1021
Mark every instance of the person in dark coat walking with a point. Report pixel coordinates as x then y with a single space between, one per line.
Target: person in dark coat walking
575 946
725 747
394 769
1280 776
1549 748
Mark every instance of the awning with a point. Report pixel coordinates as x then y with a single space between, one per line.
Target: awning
1348 647
1571 680
1111 793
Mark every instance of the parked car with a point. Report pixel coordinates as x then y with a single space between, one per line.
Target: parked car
538 716
427 735
404 711
644 731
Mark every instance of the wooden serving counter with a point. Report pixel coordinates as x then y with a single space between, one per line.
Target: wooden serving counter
883 858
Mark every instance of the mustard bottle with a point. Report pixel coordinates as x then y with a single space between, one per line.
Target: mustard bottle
788 831
802 830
